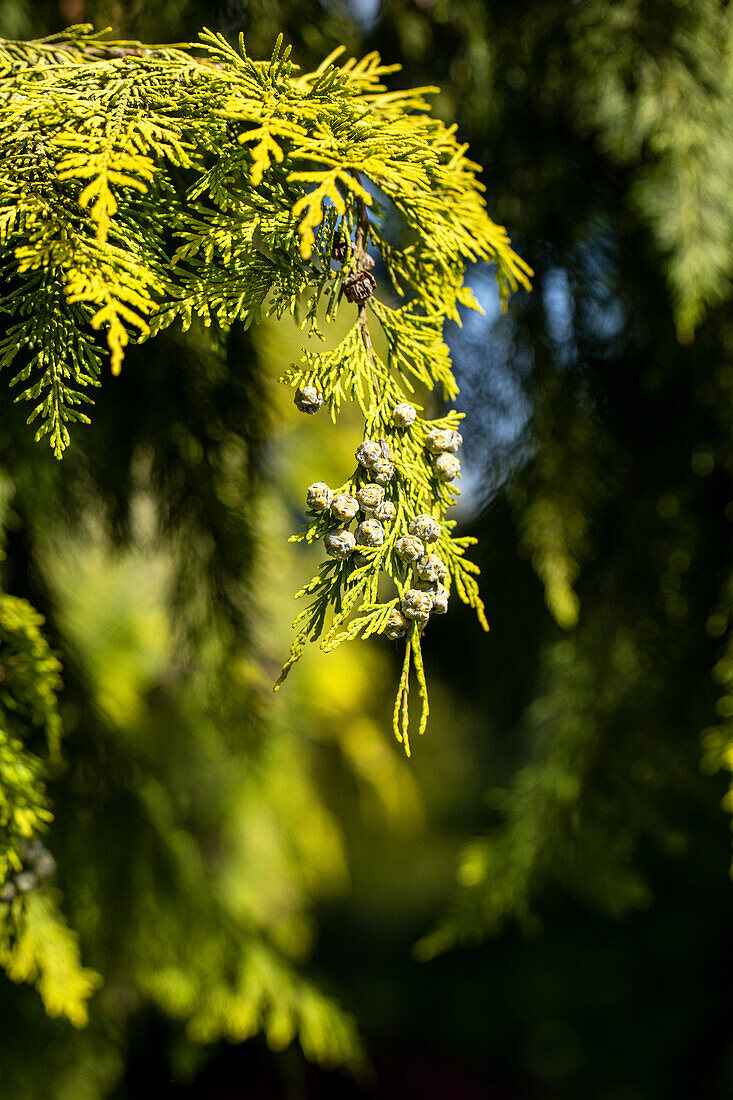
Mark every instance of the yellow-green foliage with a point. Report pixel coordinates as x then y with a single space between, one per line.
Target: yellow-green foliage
30 679
144 186
35 943
43 950
217 925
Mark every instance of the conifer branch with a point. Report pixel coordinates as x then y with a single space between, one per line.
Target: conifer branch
146 185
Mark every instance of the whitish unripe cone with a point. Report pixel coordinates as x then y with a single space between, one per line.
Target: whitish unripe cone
319 496
417 605
339 544
308 399
385 512
396 625
26 881
344 506
36 854
368 452
8 892
31 850
409 549
403 415
440 600
45 865
370 533
446 467
431 568
382 471
438 594
425 527
370 497
441 440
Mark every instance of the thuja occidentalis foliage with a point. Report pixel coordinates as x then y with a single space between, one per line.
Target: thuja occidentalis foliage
142 187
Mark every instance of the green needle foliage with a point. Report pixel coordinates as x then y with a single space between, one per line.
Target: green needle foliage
142 187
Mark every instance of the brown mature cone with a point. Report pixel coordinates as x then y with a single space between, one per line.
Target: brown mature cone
341 247
360 286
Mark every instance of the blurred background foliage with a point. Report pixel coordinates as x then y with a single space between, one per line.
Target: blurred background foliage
538 904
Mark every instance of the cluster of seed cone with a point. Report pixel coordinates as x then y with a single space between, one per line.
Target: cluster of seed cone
38 865
368 502
442 444
428 596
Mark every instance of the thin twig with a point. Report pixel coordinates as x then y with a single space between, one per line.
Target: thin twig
360 246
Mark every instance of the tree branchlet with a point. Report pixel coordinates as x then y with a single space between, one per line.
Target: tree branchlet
191 182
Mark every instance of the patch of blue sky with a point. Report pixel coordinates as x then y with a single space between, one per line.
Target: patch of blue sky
364 12
557 300
489 369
